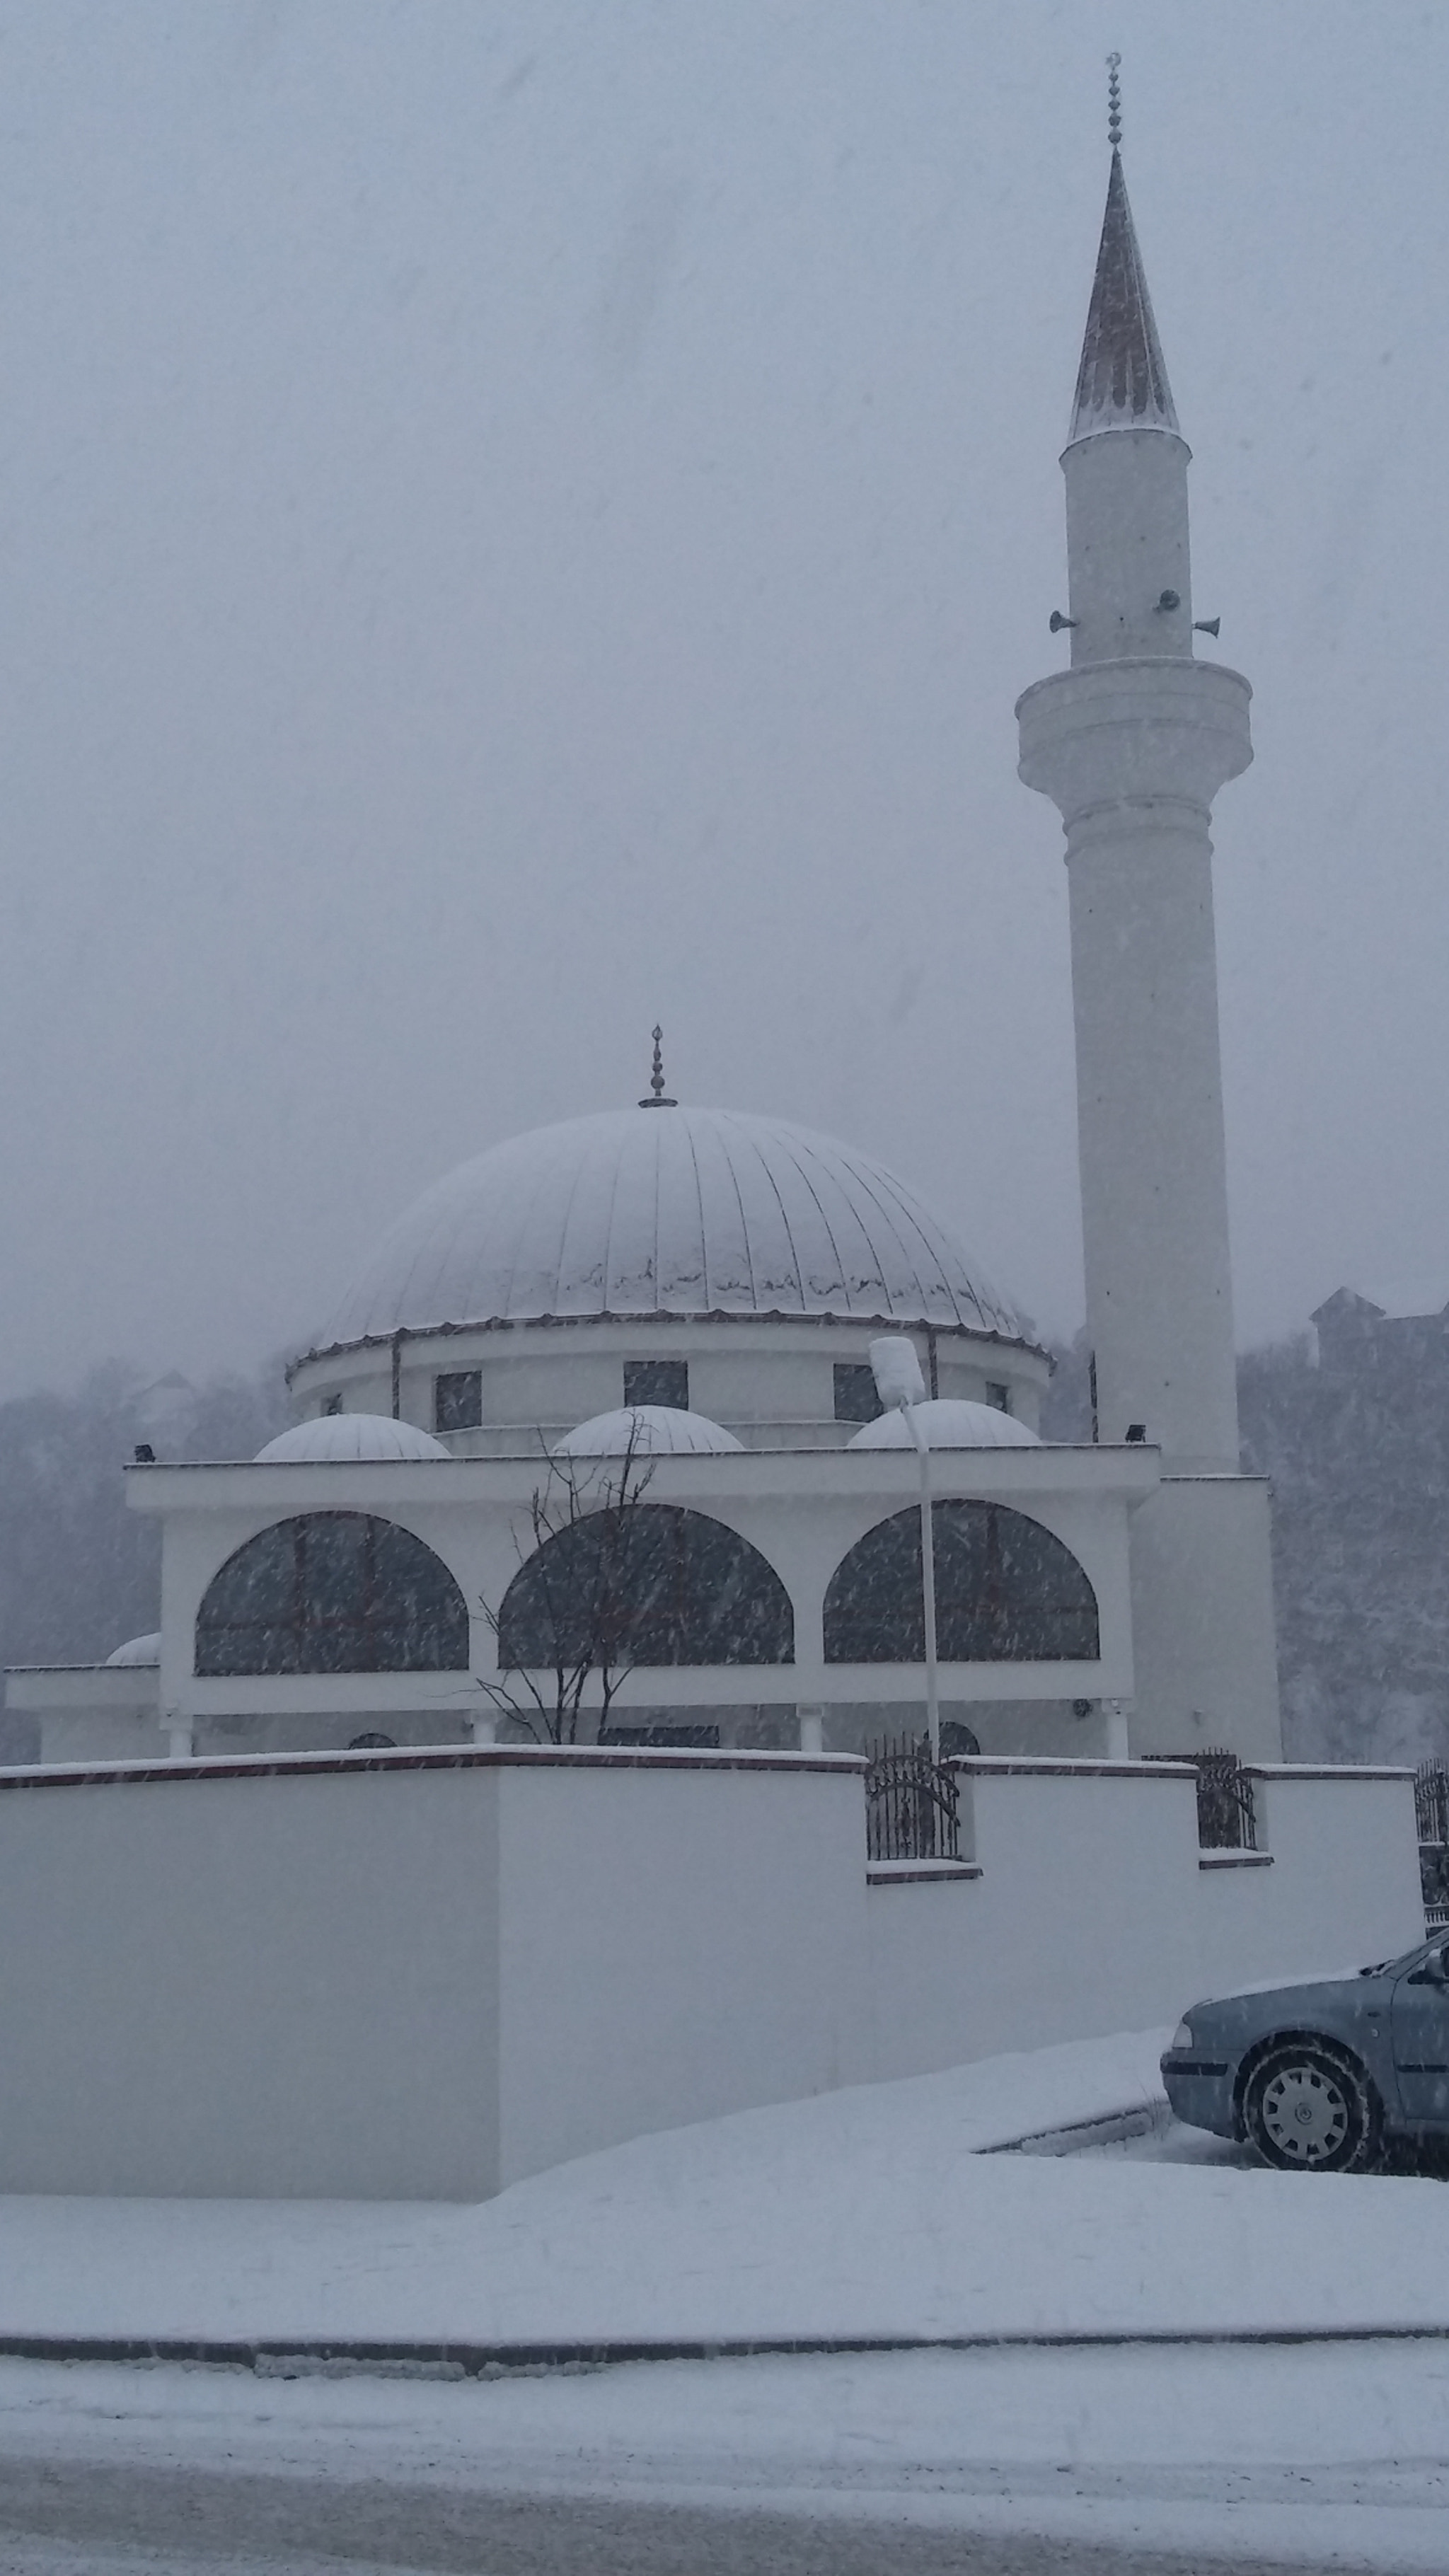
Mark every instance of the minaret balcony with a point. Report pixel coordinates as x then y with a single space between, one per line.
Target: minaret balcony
1144 731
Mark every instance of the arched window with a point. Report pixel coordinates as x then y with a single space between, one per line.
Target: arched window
1007 1592
651 1584
333 1592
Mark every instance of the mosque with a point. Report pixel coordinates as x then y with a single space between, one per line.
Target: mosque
592 1446
492 1789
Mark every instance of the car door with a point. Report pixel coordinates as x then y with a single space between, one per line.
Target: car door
1421 2041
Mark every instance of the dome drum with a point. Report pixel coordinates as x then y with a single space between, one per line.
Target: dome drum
771 1381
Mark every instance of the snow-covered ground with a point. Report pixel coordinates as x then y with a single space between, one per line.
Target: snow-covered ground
871 2212
866 2213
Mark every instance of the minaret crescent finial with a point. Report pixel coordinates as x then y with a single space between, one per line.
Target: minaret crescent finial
1114 101
657 1097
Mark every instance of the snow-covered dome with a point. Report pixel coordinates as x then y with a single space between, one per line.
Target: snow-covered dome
649 1430
948 1422
668 1211
351 1435
138 1650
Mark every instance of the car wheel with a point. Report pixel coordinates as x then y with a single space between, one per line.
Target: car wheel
1309 2109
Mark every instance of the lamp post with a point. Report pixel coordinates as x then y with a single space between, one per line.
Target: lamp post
901 1387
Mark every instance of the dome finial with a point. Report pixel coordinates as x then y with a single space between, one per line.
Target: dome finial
1114 101
657 1099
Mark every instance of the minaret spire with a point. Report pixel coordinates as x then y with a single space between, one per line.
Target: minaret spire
1122 381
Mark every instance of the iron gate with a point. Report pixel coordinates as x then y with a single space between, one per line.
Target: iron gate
912 1804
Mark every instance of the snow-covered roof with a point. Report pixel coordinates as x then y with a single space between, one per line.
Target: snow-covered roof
647 1431
668 1211
1122 381
948 1422
351 1435
138 1650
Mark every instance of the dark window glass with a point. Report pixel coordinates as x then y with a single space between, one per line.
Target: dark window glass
458 1400
998 1396
333 1592
647 1585
1007 1591
855 1396
657 1382
333 1404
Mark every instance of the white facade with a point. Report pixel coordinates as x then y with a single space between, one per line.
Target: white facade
803 1509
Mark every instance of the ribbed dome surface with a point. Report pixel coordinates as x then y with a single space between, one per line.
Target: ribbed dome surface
667 1212
948 1422
138 1650
646 1431
350 1436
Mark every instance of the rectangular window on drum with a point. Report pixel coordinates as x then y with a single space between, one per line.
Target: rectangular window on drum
855 1397
458 1400
998 1396
657 1382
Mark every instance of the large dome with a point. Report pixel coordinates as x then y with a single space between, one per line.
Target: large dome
667 1212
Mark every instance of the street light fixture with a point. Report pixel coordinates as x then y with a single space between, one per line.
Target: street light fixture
901 1388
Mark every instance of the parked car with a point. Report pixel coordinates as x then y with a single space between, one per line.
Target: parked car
1323 2076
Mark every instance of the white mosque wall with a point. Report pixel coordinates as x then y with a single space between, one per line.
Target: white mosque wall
423 1976
91 1712
1203 1625
674 1943
1095 1911
252 1986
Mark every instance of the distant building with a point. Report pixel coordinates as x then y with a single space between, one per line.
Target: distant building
1406 1329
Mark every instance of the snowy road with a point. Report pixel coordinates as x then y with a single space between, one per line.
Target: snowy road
1320 2457
86 2522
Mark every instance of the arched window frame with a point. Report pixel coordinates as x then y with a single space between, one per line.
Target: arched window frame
607 1635
997 1624
409 1614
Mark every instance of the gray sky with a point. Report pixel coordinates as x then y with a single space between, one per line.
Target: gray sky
522 517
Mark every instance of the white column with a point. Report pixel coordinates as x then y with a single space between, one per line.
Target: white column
1132 752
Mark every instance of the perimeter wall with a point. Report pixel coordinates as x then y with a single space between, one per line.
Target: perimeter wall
424 1975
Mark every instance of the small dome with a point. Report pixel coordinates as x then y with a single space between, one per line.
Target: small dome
138 1650
351 1436
652 1430
674 1211
948 1423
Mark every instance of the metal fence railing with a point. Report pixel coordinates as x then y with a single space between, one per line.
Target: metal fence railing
1431 1807
912 1804
1227 1815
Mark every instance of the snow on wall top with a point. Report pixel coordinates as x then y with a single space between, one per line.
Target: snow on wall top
667 1211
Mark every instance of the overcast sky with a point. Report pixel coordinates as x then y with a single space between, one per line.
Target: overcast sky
519 518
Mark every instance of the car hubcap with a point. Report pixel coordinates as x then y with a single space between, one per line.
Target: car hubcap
1305 2113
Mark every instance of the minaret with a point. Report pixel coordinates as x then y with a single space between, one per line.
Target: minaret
1132 743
